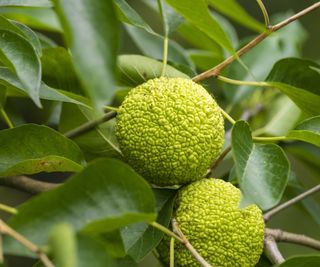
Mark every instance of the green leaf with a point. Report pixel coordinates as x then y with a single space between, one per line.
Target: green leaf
37 18
92 253
128 15
140 239
31 148
23 30
262 169
287 42
299 79
307 131
282 116
197 13
101 141
16 89
105 196
234 11
63 245
302 261
134 70
58 70
20 56
92 25
151 45
30 3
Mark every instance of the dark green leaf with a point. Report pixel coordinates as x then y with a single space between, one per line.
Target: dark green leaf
302 261
92 25
20 56
197 13
92 253
233 10
101 141
105 196
30 3
33 148
299 79
134 70
16 89
140 239
262 170
58 70
128 15
307 131
152 46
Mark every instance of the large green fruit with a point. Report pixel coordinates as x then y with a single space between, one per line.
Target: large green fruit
170 130
207 213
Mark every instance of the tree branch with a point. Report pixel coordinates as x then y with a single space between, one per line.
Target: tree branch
6 229
88 126
218 161
298 239
272 251
215 71
290 202
27 184
188 246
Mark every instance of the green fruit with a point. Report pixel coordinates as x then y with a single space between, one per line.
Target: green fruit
170 130
207 213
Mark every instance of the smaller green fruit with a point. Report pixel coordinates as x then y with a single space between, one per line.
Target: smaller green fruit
207 213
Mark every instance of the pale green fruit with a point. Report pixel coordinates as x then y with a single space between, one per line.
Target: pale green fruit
207 213
170 130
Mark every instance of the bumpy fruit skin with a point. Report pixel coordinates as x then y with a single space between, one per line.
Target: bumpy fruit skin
170 130
207 213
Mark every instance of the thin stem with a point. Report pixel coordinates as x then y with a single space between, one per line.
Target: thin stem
227 116
290 202
215 71
188 246
8 209
269 139
111 108
5 229
165 55
6 118
1 250
172 252
272 251
303 240
217 162
27 184
166 231
238 82
88 126
265 13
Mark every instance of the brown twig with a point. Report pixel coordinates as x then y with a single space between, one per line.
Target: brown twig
1 250
298 239
188 246
272 251
88 126
218 161
27 184
5 229
290 202
215 71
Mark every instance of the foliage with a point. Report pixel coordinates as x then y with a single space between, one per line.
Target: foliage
61 67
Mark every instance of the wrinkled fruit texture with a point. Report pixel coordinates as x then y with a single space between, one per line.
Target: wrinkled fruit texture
170 130
207 213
